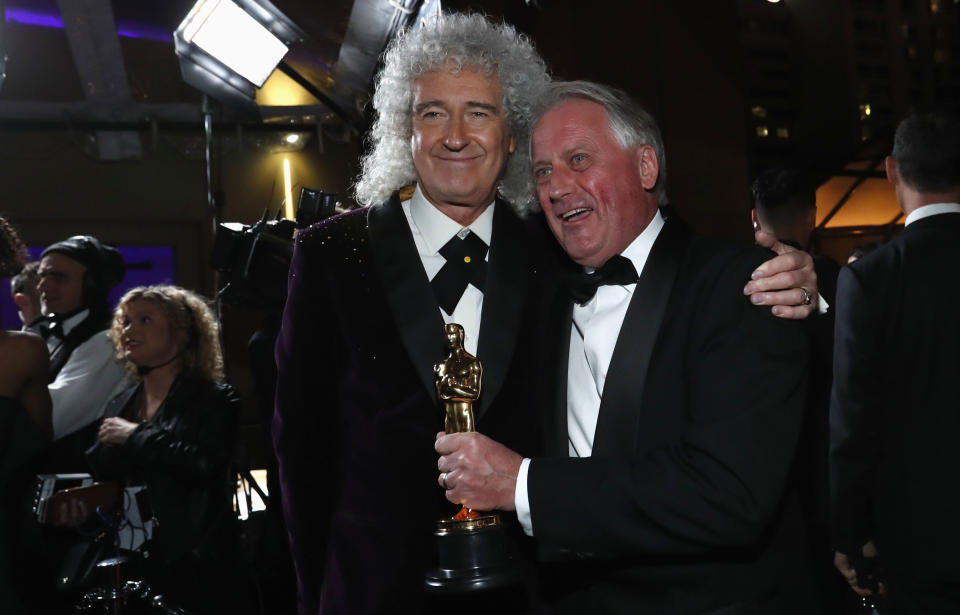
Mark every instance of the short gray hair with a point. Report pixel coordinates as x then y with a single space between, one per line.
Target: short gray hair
455 41
631 124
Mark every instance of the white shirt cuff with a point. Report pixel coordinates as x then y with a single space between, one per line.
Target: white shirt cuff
822 305
521 500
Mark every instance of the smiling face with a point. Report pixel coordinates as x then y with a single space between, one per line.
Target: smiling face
61 283
147 337
596 195
460 143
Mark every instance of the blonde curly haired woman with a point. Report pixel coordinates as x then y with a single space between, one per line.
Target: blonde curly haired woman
174 432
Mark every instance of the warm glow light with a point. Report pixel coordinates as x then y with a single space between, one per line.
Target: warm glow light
762 131
773 1
865 111
292 138
287 190
873 202
280 89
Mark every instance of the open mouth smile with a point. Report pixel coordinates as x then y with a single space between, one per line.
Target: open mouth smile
574 213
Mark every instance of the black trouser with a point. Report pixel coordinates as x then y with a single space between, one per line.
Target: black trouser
908 596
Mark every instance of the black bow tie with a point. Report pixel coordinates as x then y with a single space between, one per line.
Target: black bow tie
53 327
465 264
619 270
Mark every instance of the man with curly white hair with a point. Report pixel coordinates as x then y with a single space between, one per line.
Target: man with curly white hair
369 294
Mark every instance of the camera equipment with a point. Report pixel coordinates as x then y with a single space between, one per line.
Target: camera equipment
315 205
254 259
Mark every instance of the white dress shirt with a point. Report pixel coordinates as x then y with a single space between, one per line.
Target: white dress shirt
89 379
931 210
593 336
431 230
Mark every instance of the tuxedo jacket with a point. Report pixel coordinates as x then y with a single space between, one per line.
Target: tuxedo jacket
357 411
895 408
683 506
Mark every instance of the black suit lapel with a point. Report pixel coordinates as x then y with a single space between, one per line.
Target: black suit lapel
626 376
407 288
503 301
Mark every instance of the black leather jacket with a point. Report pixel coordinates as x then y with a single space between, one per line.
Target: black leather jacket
183 455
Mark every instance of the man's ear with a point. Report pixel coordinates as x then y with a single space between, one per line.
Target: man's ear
21 300
648 166
891 168
754 219
512 145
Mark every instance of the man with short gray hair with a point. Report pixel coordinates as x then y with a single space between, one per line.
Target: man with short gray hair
672 432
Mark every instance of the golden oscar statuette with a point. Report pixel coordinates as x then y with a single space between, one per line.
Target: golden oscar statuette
473 553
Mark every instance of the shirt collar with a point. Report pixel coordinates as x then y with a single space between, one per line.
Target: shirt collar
437 229
931 210
639 248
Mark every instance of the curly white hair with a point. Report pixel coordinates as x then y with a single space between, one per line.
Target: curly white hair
455 41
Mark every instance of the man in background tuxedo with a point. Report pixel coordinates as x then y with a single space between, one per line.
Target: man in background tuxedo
76 276
673 405
785 204
895 407
23 290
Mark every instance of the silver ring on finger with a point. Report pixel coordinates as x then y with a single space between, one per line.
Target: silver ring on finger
443 480
807 296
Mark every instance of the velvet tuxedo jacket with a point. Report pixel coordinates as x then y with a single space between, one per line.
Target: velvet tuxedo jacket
895 408
357 411
683 506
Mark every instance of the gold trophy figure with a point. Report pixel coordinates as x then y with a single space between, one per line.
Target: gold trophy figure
458 382
472 548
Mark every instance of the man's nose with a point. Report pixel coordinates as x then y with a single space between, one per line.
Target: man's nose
456 138
561 184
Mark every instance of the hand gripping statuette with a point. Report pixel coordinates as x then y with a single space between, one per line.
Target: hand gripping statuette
473 552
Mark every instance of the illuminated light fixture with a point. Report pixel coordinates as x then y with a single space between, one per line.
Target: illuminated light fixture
292 138
287 191
774 1
865 111
783 133
763 131
228 48
759 111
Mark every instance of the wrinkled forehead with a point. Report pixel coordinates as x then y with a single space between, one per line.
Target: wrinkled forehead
448 86
570 122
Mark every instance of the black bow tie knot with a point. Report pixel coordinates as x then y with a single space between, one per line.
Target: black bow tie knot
618 271
52 326
466 264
